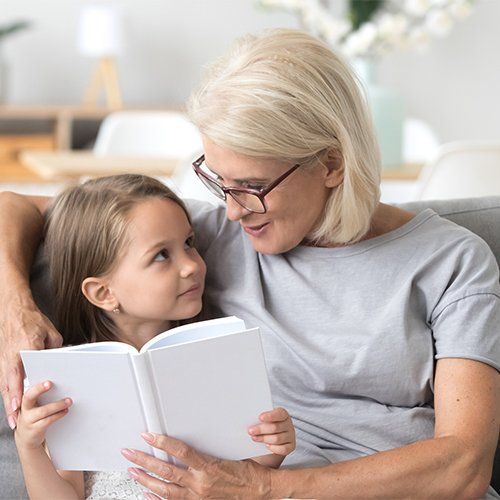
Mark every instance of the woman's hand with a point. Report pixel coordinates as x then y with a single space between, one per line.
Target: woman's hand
34 420
205 476
23 327
276 431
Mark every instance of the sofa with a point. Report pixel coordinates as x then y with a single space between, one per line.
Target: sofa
480 215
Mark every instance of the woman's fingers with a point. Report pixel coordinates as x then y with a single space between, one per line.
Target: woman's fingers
157 486
156 466
178 449
22 327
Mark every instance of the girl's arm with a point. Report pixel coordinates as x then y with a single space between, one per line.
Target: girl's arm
23 325
44 481
41 478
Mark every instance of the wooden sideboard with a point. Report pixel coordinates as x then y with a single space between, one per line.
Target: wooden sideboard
45 129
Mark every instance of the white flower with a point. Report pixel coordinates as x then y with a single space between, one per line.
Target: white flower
419 39
311 15
368 33
416 7
398 24
438 22
460 9
356 44
333 29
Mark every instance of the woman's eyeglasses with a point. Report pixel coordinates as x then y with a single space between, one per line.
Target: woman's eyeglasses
250 199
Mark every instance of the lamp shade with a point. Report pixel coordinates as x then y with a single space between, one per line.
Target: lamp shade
100 31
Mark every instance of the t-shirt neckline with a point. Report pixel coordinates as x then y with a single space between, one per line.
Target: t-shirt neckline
365 245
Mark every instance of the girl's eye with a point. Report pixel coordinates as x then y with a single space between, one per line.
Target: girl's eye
161 256
190 242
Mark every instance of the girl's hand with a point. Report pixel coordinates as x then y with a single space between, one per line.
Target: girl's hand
276 431
34 420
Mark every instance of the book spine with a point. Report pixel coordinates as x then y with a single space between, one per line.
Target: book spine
151 410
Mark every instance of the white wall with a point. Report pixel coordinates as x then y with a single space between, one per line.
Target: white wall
454 87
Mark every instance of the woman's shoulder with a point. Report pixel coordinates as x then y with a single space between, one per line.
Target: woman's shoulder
209 222
427 227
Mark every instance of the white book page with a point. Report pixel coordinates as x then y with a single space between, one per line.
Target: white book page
106 415
195 331
101 347
211 391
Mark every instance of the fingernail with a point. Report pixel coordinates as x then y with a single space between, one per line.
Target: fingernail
14 404
46 385
128 453
252 431
12 422
133 472
148 437
68 401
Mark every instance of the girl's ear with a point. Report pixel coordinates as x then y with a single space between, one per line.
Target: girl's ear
97 292
334 164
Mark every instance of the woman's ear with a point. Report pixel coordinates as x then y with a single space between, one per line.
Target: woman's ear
97 292
334 164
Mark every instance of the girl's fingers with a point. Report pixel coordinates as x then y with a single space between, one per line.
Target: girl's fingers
276 415
280 449
279 439
49 409
271 428
45 422
33 393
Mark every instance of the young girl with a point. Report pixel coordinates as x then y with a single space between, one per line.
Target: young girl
124 267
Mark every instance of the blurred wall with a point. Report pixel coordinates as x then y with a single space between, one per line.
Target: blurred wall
454 86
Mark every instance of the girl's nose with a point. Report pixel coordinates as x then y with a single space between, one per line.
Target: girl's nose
189 266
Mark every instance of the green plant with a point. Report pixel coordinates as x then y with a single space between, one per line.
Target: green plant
361 11
9 29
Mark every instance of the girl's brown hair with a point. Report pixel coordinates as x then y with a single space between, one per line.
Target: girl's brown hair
86 232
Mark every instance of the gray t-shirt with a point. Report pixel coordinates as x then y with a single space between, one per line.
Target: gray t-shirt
351 335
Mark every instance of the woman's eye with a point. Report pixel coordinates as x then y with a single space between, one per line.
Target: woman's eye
256 187
161 256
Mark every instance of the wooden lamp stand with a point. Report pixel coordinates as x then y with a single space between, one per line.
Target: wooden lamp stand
105 77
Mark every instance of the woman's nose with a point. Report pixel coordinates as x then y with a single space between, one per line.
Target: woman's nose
234 210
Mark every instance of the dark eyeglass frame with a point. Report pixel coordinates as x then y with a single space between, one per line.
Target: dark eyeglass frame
229 190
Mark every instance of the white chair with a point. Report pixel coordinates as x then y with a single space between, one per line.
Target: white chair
147 133
420 142
462 170
156 134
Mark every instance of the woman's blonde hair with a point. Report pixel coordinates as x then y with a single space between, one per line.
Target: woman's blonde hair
85 235
285 95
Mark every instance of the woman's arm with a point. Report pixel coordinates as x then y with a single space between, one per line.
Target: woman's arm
456 463
22 325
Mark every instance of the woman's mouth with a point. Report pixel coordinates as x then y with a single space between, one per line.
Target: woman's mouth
257 230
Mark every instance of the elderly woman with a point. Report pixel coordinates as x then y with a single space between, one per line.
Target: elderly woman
380 327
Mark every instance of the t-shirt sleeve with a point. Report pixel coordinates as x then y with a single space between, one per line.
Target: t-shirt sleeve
466 321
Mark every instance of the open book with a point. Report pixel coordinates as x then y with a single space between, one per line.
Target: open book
204 383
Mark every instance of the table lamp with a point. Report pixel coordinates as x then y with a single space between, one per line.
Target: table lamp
100 37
